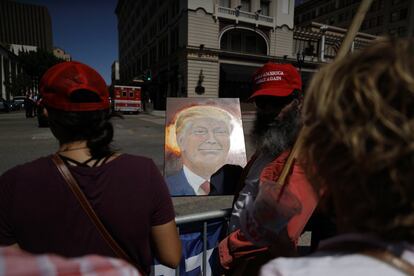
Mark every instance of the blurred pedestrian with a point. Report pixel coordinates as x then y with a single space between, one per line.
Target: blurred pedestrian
359 148
34 99
128 194
28 105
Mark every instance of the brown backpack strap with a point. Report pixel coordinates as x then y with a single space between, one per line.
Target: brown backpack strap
86 206
376 251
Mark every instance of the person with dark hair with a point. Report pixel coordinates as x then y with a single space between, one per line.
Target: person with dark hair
358 148
28 105
278 98
39 212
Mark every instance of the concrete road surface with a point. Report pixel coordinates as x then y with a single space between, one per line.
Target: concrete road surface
143 134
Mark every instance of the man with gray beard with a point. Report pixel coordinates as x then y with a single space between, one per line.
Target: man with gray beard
278 98
275 128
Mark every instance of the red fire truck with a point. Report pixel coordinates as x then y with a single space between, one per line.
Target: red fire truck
127 98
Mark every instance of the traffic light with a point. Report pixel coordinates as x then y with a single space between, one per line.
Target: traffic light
148 76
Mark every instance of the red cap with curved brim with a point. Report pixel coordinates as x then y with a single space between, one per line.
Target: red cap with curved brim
278 80
63 79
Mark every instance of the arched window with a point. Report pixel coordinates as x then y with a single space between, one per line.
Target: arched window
244 41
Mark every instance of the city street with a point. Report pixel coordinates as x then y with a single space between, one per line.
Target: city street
22 141
143 134
301 74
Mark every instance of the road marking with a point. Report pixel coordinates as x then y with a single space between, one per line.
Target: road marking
42 136
118 126
158 121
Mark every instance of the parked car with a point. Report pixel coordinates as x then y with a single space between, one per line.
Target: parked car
17 102
4 105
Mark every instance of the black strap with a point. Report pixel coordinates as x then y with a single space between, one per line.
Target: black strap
379 251
106 158
86 206
99 161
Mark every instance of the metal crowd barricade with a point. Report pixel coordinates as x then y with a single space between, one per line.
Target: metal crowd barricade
203 217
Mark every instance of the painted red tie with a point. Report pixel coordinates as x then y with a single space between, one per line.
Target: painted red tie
205 187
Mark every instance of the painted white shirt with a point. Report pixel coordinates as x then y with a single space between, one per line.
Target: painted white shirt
195 181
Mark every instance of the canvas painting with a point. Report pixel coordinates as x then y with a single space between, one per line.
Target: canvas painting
204 146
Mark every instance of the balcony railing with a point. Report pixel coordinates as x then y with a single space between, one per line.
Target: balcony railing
266 18
201 219
224 10
243 16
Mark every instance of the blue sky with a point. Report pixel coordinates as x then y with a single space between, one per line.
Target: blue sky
87 30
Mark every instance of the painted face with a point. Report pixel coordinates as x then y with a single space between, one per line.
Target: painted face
205 144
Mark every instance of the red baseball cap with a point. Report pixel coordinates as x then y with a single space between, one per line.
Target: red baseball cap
63 79
274 79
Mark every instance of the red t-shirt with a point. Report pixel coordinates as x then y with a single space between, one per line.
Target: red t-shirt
40 213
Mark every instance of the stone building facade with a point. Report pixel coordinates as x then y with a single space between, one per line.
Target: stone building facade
211 48
25 24
393 17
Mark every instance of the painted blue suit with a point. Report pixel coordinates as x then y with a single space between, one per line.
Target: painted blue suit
223 182
179 185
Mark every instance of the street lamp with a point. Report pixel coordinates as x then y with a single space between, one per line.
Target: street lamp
257 13
200 88
300 57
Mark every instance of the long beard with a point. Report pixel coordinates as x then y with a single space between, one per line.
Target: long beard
274 134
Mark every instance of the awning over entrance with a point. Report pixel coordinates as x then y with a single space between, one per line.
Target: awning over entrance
235 81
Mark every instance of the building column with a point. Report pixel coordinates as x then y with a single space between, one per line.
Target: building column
2 87
235 3
7 76
410 31
255 5
282 36
272 8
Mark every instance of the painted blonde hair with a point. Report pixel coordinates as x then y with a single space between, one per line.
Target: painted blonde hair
201 111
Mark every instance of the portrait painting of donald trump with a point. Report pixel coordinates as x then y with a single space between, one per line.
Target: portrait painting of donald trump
204 146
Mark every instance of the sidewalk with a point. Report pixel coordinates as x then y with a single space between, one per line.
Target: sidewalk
247 109
156 113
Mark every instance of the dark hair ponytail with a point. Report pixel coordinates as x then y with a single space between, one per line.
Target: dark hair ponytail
91 126
99 143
